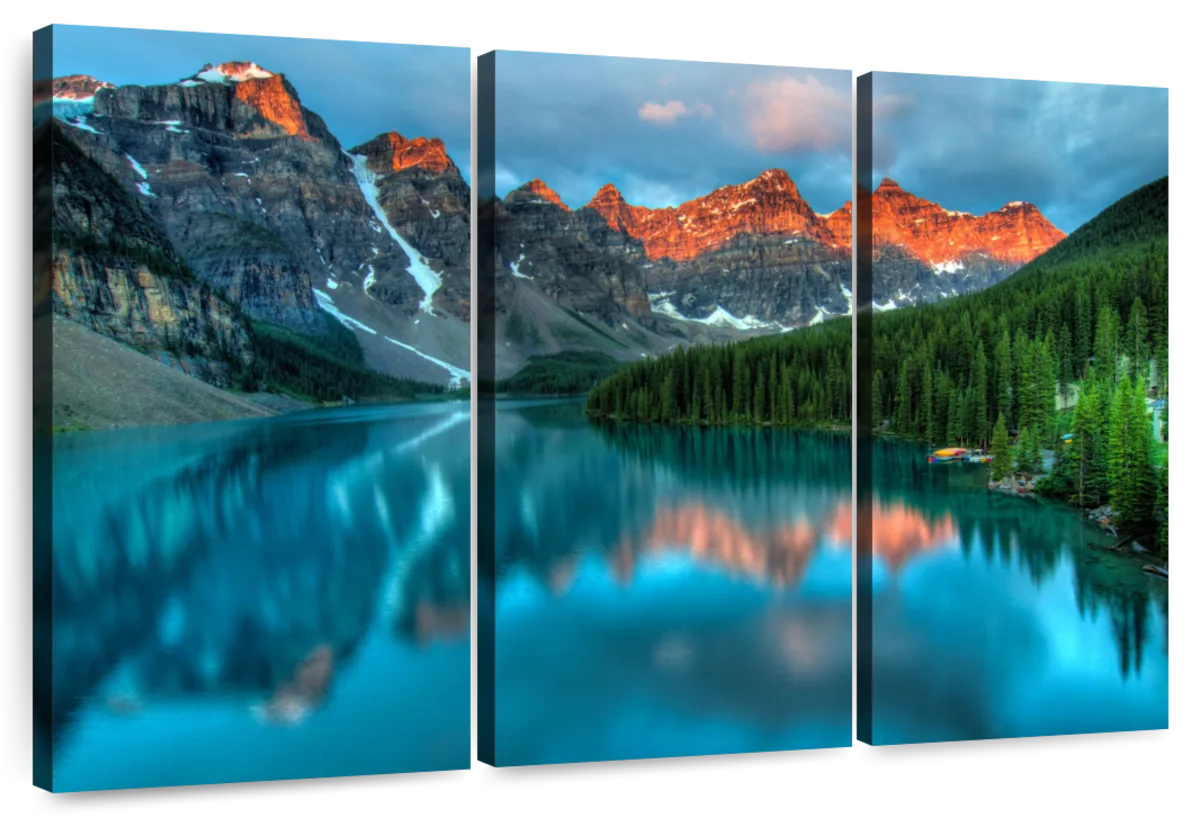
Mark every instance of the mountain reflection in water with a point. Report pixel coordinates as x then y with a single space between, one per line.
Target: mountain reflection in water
667 591
264 599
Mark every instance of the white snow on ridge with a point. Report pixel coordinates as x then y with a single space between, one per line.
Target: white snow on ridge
890 305
457 376
330 283
513 265
947 267
370 279
325 302
253 71
427 279
660 303
78 122
849 296
143 186
72 111
137 167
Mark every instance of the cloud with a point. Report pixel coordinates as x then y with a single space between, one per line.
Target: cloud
581 122
790 116
662 114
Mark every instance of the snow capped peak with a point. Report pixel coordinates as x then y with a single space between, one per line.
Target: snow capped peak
1013 204
78 88
228 72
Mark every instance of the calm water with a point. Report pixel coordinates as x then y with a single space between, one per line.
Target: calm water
995 617
263 599
672 592
668 592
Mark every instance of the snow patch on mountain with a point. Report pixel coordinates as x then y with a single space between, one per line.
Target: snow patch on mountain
513 265
427 279
661 304
457 376
941 267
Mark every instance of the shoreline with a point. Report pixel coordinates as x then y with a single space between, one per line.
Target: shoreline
272 405
1100 518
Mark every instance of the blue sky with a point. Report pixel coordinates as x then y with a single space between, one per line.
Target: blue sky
974 144
666 131
360 89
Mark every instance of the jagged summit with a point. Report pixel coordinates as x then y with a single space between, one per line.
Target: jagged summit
1013 235
390 152
536 190
228 72
77 87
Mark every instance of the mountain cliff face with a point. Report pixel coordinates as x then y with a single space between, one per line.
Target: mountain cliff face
924 252
261 203
424 196
116 273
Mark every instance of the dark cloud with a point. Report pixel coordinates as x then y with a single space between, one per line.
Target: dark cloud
665 131
360 89
974 144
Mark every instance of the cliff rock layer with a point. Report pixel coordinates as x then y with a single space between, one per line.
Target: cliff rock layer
116 273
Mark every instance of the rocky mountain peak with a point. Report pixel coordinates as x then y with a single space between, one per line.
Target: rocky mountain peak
78 87
773 179
537 191
841 224
229 72
769 203
1014 235
390 152
268 93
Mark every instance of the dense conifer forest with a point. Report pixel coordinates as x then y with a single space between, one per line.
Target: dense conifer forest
1068 347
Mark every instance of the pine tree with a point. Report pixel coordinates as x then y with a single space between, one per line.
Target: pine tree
1001 451
1161 508
1004 370
1029 452
1136 341
1107 348
876 419
926 419
1131 478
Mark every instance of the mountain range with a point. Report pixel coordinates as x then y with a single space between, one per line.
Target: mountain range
746 259
210 220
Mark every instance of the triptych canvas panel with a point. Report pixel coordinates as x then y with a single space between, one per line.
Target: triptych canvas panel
695 328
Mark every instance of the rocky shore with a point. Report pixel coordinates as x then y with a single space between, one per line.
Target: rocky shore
1022 485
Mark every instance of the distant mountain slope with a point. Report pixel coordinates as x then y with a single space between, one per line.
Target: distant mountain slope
943 370
258 198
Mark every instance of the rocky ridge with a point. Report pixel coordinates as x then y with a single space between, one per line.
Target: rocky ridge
746 258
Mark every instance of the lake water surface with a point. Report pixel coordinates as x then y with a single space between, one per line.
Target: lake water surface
668 592
262 599
672 592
